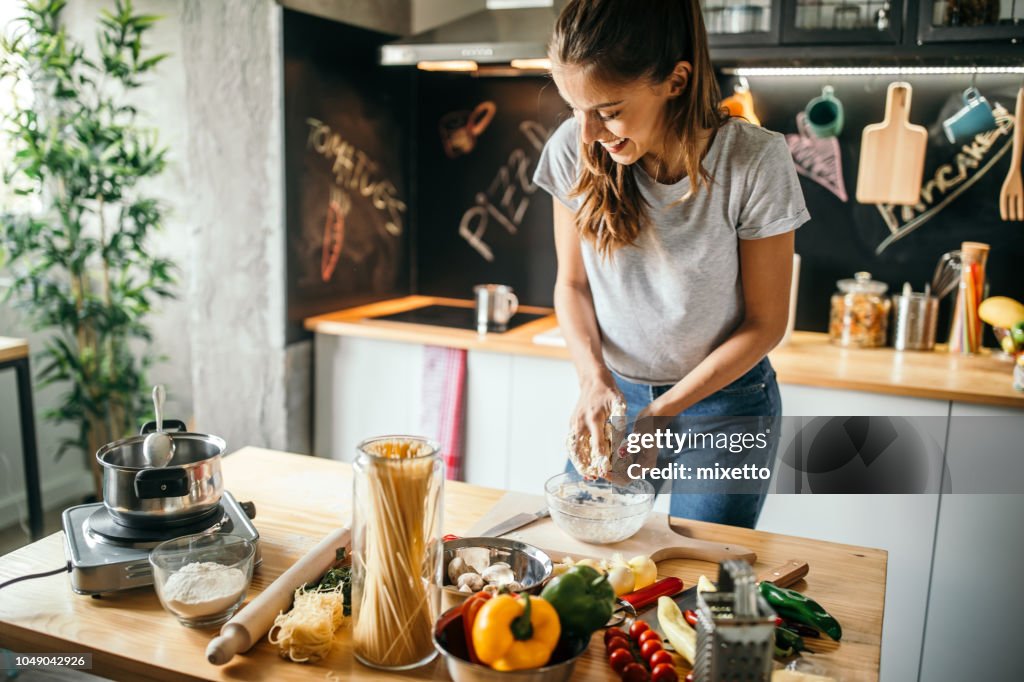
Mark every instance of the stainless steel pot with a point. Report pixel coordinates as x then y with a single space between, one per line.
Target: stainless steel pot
188 488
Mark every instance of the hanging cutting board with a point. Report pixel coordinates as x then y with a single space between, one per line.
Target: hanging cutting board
656 538
892 154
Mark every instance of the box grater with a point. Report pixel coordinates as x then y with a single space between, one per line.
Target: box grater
735 629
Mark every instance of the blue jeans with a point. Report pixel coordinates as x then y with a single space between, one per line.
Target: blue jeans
755 395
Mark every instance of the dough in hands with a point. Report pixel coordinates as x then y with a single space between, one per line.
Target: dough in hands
586 456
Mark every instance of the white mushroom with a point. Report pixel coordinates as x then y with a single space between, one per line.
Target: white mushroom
456 567
498 574
491 589
471 580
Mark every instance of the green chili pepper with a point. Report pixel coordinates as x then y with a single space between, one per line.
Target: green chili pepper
583 599
787 642
796 607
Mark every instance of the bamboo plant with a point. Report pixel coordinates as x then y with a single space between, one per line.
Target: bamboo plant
78 260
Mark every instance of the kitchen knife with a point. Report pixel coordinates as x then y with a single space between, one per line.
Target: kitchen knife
514 523
784 575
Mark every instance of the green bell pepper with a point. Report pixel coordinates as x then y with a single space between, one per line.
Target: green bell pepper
796 607
583 599
787 642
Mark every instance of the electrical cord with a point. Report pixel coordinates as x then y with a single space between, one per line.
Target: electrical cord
66 568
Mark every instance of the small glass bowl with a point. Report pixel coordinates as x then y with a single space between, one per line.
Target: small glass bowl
181 590
598 512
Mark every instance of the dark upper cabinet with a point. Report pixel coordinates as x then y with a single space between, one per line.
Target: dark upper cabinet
745 30
749 22
940 21
846 22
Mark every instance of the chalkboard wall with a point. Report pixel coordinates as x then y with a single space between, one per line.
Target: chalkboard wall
402 181
347 147
842 237
480 217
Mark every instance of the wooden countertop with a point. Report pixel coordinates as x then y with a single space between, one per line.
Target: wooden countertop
299 499
808 359
12 349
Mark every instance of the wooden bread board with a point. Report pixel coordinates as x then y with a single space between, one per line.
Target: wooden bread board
657 537
892 154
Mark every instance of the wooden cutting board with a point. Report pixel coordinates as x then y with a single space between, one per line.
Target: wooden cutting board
892 154
657 538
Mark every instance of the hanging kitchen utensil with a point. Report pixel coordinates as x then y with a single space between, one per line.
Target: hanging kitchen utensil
741 103
892 154
1011 197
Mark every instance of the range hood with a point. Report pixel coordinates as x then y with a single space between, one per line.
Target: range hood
507 30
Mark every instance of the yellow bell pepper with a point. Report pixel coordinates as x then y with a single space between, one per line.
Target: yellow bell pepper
515 633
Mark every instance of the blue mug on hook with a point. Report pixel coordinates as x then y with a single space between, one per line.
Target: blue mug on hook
973 118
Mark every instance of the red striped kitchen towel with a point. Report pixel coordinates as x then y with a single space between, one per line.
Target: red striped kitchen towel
443 406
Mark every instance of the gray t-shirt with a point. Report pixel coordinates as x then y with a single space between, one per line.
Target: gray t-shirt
665 303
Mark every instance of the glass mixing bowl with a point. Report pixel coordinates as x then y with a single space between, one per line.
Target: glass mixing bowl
599 512
202 579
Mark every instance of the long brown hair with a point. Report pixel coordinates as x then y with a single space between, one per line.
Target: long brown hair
620 41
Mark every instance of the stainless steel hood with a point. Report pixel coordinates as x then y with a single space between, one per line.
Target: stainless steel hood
506 30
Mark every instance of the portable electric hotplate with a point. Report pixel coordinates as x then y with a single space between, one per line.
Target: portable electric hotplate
107 556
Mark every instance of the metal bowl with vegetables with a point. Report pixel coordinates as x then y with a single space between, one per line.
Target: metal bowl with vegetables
450 641
488 564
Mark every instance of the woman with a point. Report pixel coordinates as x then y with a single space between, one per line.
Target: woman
674 234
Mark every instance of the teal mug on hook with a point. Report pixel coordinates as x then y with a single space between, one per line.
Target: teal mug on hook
825 114
973 118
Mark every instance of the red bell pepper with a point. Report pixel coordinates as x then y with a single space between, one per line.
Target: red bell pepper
470 609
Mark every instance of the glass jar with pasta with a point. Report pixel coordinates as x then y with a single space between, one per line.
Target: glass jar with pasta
397 556
860 312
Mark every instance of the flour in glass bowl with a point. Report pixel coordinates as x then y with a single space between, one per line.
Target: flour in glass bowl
203 589
598 514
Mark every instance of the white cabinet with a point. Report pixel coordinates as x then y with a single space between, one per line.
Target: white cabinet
544 393
975 597
902 524
517 407
363 388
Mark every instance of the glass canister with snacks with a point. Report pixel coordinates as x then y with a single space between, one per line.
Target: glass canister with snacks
860 312
398 485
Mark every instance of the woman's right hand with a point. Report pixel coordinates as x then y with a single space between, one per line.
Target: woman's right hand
597 401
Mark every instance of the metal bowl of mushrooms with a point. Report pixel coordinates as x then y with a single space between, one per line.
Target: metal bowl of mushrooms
489 564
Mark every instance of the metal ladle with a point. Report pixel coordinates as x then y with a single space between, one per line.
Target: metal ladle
158 448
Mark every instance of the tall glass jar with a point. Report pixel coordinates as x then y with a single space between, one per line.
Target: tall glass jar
965 329
398 491
860 312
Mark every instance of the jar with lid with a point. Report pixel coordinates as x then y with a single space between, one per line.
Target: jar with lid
860 312
398 488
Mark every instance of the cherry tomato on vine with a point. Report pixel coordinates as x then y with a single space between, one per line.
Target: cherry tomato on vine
619 659
648 648
612 632
617 643
635 672
638 627
659 657
647 635
664 673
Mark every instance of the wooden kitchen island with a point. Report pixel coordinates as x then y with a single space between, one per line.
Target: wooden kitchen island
298 500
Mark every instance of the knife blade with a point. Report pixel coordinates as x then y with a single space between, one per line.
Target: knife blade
514 523
783 575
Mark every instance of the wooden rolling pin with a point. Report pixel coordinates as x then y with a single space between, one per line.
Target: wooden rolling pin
248 626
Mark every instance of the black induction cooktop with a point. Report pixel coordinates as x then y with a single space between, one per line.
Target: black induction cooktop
454 316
